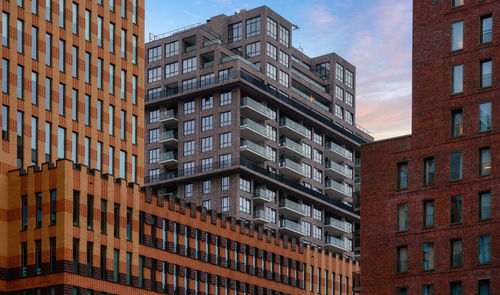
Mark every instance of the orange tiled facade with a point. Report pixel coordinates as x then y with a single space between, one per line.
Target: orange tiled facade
73 217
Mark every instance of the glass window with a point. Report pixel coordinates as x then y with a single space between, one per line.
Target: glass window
339 111
458 72
402 259
244 205
188 168
20 81
456 166
206 187
154 74
20 36
61 142
225 98
111 165
172 69
87 110
456 209
188 148
484 249
485 161
123 84
486 28
349 79
5 122
349 99
402 217
61 13
87 25
225 119
188 84
206 204
457 36
339 72
272 27
235 32
5 29
429 171
284 59
123 43
428 213
34 42
111 79
402 175
271 51
123 164
206 144
271 71
252 49
154 54
457 3
207 103
207 123
172 49
123 118
189 65
283 79
154 155
206 164
253 27
485 116
455 252
225 183
284 36
484 205
5 75
188 190
224 204
134 49
485 73
99 73
112 37
245 185
99 31
87 67
62 51
188 127
87 151
457 123
428 253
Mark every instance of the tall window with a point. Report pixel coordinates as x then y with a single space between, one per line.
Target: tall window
225 119
20 36
61 13
428 254
112 37
5 75
456 123
457 85
402 259
485 161
484 205
456 166
456 209
284 36
62 51
5 29
484 249
61 142
271 71
484 287
485 73
272 51
455 252
123 164
235 32
402 175
485 116
486 28
172 49
429 171
5 122
20 81
34 42
123 43
244 205
253 27
428 213
402 217
457 36
38 204
252 49
272 28
224 204
99 31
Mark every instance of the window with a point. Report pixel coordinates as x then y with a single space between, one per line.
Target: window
52 254
154 54
154 75
429 170
74 144
349 99
455 253
154 175
111 37
318 175
38 204
244 205
317 232
348 117
206 144
306 168
339 72
90 212
457 3
206 204
5 29
402 259
402 175
189 65
224 204
111 79
272 28
456 287
154 116
188 168
116 257
339 93
129 224
485 73
484 249
87 25
207 123
24 259
428 213
206 187
484 205
99 31
123 118
34 42
123 164
457 36
188 190
349 79
271 71
154 155
123 84
123 43
428 254
76 254
207 103
225 75
456 166
5 122
154 135
456 209
171 69
283 79
188 148
457 85
111 165
189 107
484 287
485 116
252 49
62 51
134 49
76 208
207 79
225 183
224 160
253 27
104 213
99 73
188 127
271 51
206 164
402 217
20 36
428 289
457 123
225 119
34 86
245 185
485 161
5 75
339 111
235 32
225 98
20 81
172 49
61 142
271 153
486 29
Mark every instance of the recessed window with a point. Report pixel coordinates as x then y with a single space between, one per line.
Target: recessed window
486 29
235 32
172 69
428 214
485 116
252 49
428 254
428 289
456 288
245 205
402 259
253 27
402 217
172 49
485 73
484 205
485 161
457 36
457 79
455 253
456 166
272 28
429 171
189 65
456 209
484 248
402 175
457 126
457 3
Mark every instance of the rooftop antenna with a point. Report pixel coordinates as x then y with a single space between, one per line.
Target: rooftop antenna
295 27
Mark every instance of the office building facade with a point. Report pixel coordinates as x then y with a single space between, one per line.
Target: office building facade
430 224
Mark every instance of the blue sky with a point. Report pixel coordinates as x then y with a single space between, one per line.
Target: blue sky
374 35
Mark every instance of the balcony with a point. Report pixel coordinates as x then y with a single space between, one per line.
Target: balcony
291 169
357 183
336 190
252 151
336 152
260 216
291 228
169 159
357 165
336 245
291 149
263 195
255 110
291 210
336 171
335 226
253 131
292 129
169 138
168 118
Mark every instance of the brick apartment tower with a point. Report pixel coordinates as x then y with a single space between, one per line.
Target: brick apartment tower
240 121
73 218
430 200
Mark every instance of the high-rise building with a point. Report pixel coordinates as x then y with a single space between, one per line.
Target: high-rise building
429 222
73 219
239 120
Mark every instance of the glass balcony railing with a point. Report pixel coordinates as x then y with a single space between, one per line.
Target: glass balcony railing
286 142
293 206
284 121
167 135
247 144
211 42
284 162
329 183
337 242
309 80
171 155
346 226
311 99
247 101
285 223
263 194
261 214
338 168
330 145
245 122
190 48
169 114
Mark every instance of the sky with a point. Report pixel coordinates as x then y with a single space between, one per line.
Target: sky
374 35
